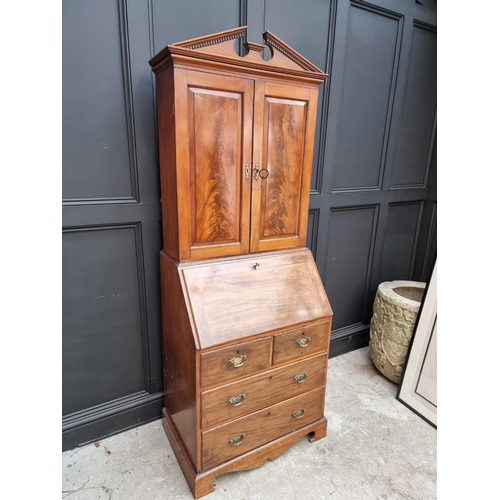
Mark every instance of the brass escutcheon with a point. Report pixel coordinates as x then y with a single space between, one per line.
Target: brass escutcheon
300 378
303 342
237 361
299 413
257 171
237 400
247 171
236 440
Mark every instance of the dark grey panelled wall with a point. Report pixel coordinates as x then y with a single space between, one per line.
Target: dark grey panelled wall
373 200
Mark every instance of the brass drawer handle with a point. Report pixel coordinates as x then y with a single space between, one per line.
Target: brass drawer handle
303 342
300 378
237 361
236 440
299 413
237 400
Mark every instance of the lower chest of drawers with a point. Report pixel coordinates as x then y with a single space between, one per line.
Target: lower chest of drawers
274 385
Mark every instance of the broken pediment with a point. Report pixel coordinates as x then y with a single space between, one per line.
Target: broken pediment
220 47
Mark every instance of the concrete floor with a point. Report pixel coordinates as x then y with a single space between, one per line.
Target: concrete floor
375 448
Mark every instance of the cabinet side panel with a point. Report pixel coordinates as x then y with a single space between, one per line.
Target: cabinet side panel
179 357
166 133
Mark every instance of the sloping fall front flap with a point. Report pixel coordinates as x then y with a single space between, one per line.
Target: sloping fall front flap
246 296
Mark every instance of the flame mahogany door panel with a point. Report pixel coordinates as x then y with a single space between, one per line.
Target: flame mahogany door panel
284 123
215 113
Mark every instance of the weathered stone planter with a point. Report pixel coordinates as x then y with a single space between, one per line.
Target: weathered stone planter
394 313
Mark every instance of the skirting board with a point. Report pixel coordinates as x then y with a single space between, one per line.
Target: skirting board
108 425
349 342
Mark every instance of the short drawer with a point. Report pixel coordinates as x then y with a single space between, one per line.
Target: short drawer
239 436
240 360
301 342
245 396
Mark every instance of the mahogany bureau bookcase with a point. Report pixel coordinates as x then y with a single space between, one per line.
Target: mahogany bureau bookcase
245 318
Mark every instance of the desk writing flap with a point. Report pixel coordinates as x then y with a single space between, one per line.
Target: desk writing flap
232 299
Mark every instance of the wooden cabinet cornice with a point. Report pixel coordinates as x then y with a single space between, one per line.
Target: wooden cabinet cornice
236 139
245 318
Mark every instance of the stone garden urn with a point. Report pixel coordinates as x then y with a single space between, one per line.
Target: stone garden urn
394 313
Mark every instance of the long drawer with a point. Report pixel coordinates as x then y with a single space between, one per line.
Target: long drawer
240 398
246 433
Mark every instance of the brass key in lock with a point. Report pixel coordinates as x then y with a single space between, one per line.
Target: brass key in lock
263 173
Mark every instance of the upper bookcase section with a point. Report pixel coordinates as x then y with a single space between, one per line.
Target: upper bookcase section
218 50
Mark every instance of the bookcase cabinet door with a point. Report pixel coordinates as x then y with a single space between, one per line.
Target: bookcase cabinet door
284 123
214 153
